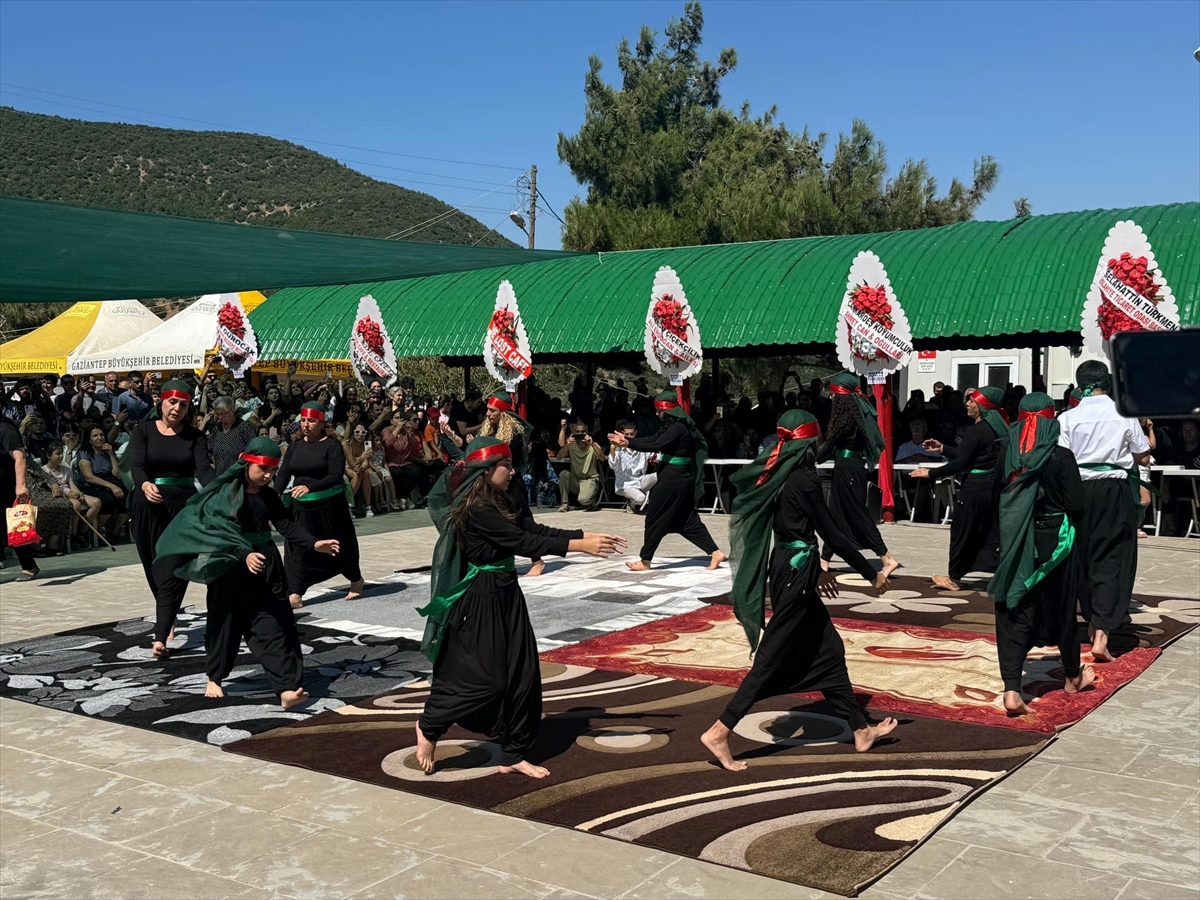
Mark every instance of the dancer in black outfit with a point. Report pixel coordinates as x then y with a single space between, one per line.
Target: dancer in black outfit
1042 510
854 441
801 651
975 526
166 458
223 539
486 676
681 453
321 508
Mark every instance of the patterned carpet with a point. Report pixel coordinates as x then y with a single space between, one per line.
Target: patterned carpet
626 762
896 667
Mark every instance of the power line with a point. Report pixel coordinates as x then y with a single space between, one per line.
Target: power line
457 162
421 226
546 203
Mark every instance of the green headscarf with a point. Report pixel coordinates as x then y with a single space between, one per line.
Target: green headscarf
172 386
313 407
206 536
989 400
847 383
1031 441
449 563
758 484
667 402
503 401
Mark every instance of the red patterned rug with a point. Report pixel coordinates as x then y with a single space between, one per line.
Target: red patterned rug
626 762
909 669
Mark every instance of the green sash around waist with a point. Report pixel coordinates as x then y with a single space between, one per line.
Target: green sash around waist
982 472
438 609
175 481
1066 540
257 538
803 550
850 454
314 496
675 460
1135 483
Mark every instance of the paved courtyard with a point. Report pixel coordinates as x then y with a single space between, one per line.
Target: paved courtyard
92 809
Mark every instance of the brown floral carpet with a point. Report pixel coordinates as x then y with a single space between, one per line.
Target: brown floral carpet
626 762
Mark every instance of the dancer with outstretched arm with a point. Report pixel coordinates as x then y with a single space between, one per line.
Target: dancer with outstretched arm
800 651
975 460
486 675
223 539
681 450
321 508
855 443
167 455
1037 579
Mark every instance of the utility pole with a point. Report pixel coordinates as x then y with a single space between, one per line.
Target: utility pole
532 203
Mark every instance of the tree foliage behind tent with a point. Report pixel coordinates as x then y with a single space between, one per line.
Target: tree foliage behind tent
666 163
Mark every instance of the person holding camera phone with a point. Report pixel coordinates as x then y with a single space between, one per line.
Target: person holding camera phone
582 477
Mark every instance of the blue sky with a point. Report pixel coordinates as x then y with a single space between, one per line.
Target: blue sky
1084 105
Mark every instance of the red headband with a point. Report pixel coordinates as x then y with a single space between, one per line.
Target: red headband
173 394
313 414
1028 419
983 401
496 403
486 454
809 431
838 389
260 460
665 404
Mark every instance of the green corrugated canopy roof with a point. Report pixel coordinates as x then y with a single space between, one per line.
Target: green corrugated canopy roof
1023 281
52 252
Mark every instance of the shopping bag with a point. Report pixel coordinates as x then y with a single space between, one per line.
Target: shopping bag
21 523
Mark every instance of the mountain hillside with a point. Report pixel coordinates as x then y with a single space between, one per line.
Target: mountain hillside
226 176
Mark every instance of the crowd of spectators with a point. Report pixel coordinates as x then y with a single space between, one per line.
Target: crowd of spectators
397 440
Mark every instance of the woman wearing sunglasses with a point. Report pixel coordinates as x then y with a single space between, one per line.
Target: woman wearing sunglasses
358 467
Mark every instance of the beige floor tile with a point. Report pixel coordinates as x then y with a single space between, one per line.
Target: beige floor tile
266 786
1015 824
182 764
1120 796
920 867
220 841
1152 852
34 785
1137 889
1189 816
331 864
1092 752
470 835
134 811
14 829
691 878
43 731
1024 779
1006 876
1174 764
581 862
366 810
438 878
53 862
114 746
155 879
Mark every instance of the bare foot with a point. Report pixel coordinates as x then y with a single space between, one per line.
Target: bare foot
356 589
536 569
524 767
1087 677
213 690
865 738
171 636
1015 706
425 751
824 564
717 558
160 650
288 699
946 583
716 739
890 564
641 565
1100 651
296 601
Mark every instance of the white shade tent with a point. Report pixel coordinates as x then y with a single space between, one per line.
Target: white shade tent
181 342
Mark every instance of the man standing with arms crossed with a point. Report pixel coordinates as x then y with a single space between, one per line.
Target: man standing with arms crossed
1108 448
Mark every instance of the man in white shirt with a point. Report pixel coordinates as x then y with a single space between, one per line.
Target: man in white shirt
629 469
1108 447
